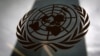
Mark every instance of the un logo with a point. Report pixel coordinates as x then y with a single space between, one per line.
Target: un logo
56 25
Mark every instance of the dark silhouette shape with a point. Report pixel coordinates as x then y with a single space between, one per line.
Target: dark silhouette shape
55 30
59 18
44 18
35 26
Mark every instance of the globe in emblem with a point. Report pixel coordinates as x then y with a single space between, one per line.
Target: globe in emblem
52 22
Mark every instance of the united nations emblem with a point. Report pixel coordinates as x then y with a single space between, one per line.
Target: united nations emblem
57 26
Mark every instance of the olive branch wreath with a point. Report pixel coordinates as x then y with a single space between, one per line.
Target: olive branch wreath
24 39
